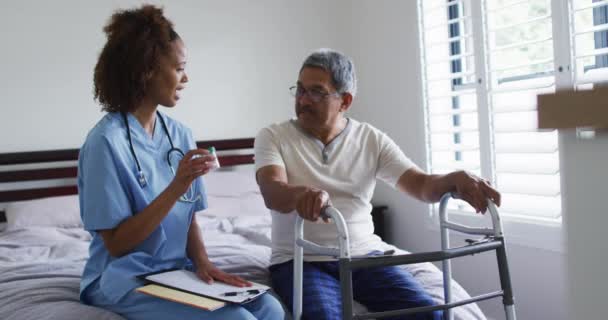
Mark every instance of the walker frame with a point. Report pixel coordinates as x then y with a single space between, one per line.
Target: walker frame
494 240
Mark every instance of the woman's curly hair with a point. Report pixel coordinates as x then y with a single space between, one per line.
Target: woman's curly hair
137 39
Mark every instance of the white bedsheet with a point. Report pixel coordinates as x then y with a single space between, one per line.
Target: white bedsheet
240 245
248 254
238 250
40 269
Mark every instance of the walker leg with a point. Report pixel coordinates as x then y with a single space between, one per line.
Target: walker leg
510 312
447 288
505 282
447 273
297 281
346 286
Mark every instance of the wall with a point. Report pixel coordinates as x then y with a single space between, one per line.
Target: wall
585 175
384 45
243 56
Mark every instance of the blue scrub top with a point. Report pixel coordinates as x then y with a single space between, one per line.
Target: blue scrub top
110 193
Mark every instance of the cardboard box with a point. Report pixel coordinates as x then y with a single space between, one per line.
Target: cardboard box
573 109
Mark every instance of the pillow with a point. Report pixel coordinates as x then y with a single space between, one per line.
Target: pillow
61 211
246 205
233 193
230 183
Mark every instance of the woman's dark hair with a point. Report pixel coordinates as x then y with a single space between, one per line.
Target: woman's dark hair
137 39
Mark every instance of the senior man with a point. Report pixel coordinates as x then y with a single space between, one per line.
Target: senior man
322 157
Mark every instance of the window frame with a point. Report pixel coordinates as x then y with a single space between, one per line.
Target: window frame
532 232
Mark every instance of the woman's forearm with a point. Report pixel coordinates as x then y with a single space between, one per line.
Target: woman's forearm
196 247
135 229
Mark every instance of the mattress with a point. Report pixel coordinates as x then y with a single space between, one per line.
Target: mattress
41 265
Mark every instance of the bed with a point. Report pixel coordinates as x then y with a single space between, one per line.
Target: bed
43 246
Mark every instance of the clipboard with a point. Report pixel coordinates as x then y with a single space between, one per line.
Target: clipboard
188 282
181 297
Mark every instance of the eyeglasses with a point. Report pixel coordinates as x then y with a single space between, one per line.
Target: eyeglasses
315 96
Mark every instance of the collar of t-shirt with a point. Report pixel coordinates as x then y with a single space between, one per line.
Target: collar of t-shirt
326 150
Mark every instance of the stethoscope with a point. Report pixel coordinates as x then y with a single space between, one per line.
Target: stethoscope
173 155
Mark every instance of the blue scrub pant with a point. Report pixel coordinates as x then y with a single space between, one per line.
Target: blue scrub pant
379 289
137 306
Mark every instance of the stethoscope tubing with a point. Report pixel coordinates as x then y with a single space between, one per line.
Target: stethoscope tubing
141 176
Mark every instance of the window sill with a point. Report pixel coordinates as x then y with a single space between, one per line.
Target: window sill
532 233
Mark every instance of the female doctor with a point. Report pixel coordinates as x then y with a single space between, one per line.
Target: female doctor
139 178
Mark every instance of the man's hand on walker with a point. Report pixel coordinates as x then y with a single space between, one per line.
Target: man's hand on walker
475 190
310 202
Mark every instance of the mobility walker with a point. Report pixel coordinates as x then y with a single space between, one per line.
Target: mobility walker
493 240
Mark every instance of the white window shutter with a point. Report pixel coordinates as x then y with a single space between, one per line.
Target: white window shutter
520 66
590 42
449 74
467 121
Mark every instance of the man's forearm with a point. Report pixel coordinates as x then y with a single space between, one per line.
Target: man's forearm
437 185
430 188
426 187
280 196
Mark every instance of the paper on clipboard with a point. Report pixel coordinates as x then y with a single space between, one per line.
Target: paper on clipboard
188 281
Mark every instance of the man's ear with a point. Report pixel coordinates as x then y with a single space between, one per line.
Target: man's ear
347 100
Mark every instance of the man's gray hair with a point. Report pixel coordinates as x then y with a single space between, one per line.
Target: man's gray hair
339 66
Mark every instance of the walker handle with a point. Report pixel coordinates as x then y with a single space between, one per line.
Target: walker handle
496 229
446 226
300 243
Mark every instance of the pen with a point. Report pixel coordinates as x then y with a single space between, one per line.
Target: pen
238 293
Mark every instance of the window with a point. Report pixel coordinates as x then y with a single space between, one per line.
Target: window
484 63
590 38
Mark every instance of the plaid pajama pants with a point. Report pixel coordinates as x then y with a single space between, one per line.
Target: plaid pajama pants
379 289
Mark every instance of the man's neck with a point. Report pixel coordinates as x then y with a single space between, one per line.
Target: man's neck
327 135
146 115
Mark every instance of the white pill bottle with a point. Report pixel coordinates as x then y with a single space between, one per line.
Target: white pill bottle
216 163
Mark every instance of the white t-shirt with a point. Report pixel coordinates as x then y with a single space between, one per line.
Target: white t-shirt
347 168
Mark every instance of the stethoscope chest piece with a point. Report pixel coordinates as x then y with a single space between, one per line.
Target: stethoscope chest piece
141 179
